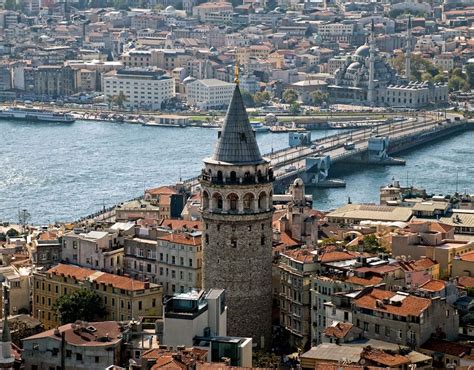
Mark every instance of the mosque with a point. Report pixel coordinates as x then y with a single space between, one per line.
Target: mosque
366 78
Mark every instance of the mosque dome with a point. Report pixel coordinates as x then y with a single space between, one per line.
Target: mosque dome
189 79
363 51
354 66
170 9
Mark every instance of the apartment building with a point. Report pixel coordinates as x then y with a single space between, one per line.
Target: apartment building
15 282
45 248
337 32
146 89
93 346
395 317
296 268
171 259
214 12
124 298
100 250
209 93
433 240
55 80
244 54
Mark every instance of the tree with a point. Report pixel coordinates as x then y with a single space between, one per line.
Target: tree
290 96
20 330
439 78
456 83
120 99
318 98
261 98
248 99
265 360
83 304
419 65
12 233
295 108
470 74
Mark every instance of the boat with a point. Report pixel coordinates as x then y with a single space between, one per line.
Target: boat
36 115
259 127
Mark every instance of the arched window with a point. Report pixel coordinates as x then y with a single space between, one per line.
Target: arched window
270 174
259 175
217 201
247 177
219 175
233 201
248 202
205 200
262 200
233 177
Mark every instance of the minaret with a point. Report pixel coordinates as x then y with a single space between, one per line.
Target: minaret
371 87
408 51
236 190
6 358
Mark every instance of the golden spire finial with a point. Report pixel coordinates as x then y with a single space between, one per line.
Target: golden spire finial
236 72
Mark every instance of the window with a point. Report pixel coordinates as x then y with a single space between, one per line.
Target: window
190 262
97 359
173 260
377 329
140 305
78 356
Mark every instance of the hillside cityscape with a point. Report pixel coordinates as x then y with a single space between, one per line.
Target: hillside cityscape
253 184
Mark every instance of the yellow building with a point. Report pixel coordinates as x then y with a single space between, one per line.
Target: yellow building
124 298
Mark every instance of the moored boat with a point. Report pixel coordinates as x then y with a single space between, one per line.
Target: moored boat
36 115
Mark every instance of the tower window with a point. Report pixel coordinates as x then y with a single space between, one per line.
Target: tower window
207 238
233 200
233 243
233 176
262 240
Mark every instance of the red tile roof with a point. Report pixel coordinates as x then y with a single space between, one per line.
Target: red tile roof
381 357
468 257
433 285
444 346
340 330
181 224
181 238
373 280
466 281
80 336
162 190
410 305
81 273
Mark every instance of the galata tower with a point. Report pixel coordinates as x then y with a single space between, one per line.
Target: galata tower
236 190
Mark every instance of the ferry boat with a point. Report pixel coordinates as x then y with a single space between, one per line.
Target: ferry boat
35 115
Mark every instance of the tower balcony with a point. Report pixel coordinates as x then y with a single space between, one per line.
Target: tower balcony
233 179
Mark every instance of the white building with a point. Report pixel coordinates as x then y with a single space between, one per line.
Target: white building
415 95
209 93
100 250
214 12
200 319
172 260
146 89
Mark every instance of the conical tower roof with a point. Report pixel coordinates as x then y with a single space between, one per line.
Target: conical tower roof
236 143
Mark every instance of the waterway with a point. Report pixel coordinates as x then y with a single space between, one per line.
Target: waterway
62 172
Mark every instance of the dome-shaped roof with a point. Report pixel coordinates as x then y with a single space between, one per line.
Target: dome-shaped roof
298 182
189 79
363 51
170 8
354 66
